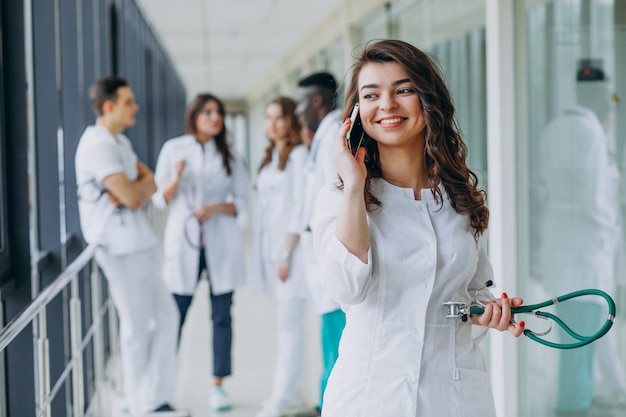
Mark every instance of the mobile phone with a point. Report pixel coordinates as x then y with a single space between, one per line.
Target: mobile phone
353 116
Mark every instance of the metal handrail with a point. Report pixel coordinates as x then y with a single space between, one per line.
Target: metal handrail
35 314
19 323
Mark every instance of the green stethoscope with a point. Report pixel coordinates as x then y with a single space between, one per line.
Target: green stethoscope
461 310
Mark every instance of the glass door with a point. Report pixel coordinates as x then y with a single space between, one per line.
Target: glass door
572 142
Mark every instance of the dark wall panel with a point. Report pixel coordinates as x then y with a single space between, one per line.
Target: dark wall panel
73 43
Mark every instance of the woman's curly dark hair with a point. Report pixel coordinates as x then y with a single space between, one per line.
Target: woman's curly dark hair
445 152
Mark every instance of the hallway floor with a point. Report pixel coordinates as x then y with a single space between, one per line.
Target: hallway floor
253 356
253 360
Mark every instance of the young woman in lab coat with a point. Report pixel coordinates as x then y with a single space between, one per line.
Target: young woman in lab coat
402 236
276 256
205 185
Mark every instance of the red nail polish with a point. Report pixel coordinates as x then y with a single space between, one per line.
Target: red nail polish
504 295
522 324
347 120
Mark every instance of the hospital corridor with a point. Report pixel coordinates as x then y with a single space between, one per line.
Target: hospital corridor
312 208
253 358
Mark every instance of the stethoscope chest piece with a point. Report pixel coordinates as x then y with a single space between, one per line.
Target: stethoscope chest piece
457 310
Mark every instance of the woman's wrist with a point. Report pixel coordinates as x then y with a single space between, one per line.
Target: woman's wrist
354 189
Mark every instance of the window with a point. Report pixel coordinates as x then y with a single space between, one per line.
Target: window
4 244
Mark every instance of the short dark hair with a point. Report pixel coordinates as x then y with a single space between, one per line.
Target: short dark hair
325 84
103 90
319 79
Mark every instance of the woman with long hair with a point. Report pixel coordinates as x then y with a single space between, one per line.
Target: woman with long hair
204 182
277 256
401 236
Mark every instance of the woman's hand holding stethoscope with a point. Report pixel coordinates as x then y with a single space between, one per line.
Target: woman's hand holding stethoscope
497 315
204 212
501 311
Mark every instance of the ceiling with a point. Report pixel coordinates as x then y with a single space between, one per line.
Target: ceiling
229 47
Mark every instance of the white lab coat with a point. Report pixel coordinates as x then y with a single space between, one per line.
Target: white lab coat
580 212
581 243
399 355
277 194
128 256
204 181
319 171
120 231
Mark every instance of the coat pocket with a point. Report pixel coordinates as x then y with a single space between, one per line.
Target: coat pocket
473 394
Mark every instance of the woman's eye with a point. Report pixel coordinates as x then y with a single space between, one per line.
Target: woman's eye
405 90
369 96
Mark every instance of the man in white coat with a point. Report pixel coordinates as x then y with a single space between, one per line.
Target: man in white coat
581 234
317 96
113 186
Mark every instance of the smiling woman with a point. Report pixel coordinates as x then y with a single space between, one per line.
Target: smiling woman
391 111
393 258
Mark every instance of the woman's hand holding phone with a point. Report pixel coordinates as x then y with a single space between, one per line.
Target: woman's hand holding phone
353 116
349 162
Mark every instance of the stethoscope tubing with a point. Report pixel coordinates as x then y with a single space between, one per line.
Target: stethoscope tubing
582 340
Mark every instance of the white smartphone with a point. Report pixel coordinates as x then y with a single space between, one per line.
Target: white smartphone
353 115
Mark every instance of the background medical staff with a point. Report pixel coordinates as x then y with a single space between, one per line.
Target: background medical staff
205 185
581 236
277 258
317 96
113 186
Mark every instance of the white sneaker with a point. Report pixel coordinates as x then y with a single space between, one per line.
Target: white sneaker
218 400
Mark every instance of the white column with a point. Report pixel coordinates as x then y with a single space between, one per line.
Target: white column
502 192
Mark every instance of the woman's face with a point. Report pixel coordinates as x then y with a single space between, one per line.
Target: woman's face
276 124
209 121
390 108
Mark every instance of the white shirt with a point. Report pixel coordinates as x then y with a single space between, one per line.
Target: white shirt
319 171
277 195
119 231
204 181
580 207
399 355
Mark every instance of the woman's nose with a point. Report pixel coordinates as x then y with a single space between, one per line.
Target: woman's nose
387 102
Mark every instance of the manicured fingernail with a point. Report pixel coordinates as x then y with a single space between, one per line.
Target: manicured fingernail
347 120
504 295
522 324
